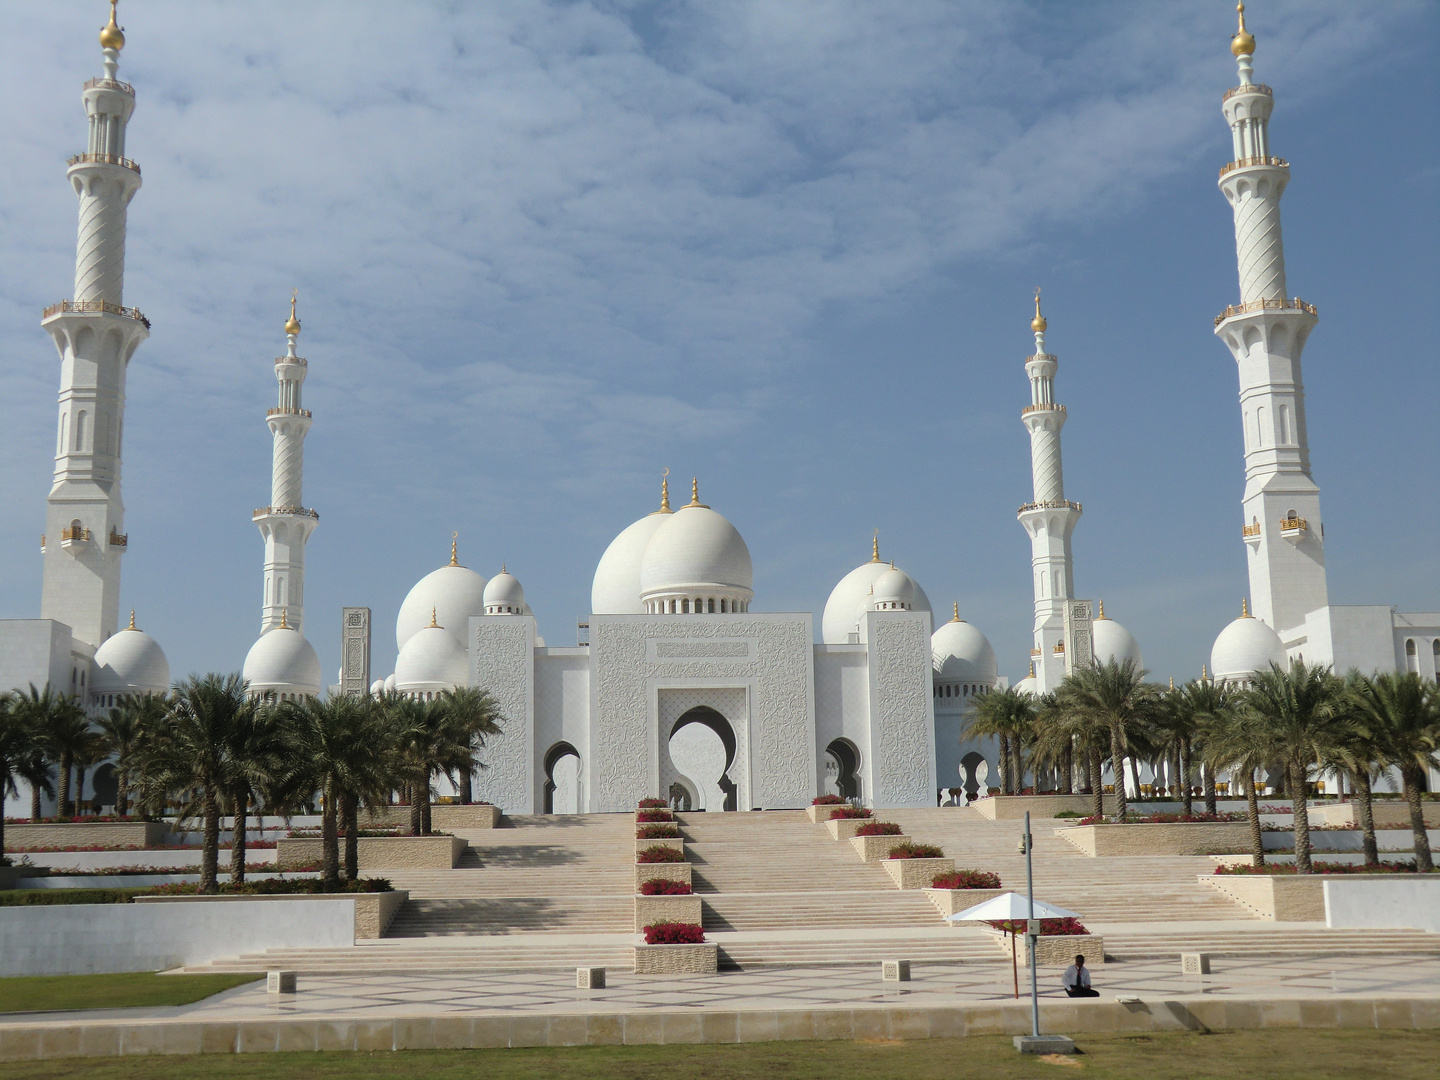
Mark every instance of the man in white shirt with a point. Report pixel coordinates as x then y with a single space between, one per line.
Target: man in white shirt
1077 979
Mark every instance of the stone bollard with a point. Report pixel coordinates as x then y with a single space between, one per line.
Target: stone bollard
895 971
1194 963
280 982
588 978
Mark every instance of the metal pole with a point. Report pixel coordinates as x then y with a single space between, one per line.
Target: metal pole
1029 937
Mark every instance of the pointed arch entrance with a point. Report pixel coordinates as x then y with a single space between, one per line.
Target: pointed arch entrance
562 780
702 747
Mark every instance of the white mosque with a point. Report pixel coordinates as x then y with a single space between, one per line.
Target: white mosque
683 679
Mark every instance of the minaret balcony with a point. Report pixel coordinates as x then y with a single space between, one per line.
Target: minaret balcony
1051 504
1293 528
285 410
109 84
284 511
1248 162
85 307
1042 407
119 540
1281 304
104 159
1251 533
1248 88
74 535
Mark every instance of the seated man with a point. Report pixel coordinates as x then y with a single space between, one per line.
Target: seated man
1077 979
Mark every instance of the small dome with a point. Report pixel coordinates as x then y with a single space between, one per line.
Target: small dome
453 593
962 654
504 596
377 687
616 588
696 550
130 662
850 599
1244 647
390 683
1113 642
282 662
1028 685
431 660
893 590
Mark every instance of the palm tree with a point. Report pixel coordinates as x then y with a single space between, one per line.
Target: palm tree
48 712
121 728
1359 757
1236 742
1178 723
472 715
1302 715
1009 715
255 756
1117 697
1209 704
19 751
188 752
1404 713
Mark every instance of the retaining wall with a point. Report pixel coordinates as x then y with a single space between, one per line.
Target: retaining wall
378 852
1180 838
1014 807
1383 903
130 834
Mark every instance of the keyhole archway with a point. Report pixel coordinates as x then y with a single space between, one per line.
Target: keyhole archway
562 779
842 769
702 747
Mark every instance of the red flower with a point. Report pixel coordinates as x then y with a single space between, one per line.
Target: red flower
879 828
967 879
674 933
664 887
659 854
916 851
827 800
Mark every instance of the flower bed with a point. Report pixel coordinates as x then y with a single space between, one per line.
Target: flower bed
653 815
86 819
29 850
665 887
827 800
117 871
1067 926
315 834
658 854
674 934
849 812
652 804
967 879
914 851
878 828
656 832
278 886
1273 869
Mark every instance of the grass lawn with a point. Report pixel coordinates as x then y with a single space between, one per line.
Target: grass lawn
44 993
1243 1055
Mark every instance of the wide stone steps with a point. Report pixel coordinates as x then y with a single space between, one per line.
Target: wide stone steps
530 914
815 910
1291 941
535 954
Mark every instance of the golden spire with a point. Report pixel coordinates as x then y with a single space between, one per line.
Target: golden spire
1204 674
1243 42
1172 682
502 569
1244 607
957 612
112 36
132 625
875 547
695 494
292 324
1102 614
1032 669
1038 323
433 622
454 553
284 612
664 493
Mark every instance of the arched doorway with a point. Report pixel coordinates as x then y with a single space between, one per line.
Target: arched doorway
702 748
974 771
562 779
842 769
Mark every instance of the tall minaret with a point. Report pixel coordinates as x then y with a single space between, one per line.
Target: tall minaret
96 336
285 524
1266 332
1050 518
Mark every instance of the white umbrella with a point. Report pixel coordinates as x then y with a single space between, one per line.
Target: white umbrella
1010 906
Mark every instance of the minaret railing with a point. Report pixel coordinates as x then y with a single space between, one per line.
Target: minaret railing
1246 162
1266 305
103 159
88 306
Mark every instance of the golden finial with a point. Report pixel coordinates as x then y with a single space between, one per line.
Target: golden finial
292 324
132 625
1032 669
502 569
1244 607
284 613
1204 673
1243 42
112 36
434 623
695 494
875 547
1038 323
1172 682
454 552
957 612
1102 614
665 492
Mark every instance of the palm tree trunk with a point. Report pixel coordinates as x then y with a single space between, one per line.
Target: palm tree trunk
1187 797
1211 805
1067 771
1097 776
466 788
1365 815
241 799
1017 763
210 840
1004 765
34 802
329 842
415 817
1414 781
352 838
1117 757
425 807
62 798
122 796
1296 777
1252 810
1135 776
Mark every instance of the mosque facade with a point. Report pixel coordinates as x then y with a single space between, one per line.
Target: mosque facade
684 684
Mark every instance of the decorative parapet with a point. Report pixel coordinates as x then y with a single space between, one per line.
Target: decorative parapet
74 534
287 410
1248 88
85 307
109 84
1266 305
1293 525
1246 162
119 540
1250 532
1042 407
293 511
104 159
1050 504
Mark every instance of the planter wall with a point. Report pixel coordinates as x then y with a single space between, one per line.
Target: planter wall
875 848
378 852
1181 838
116 834
1014 807
949 901
650 910
674 843
1388 814
672 871
1055 950
845 828
820 814
1282 899
446 816
702 959
373 911
916 873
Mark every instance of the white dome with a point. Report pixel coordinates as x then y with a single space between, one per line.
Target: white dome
850 599
1245 646
431 660
1114 642
390 683
453 592
962 654
1029 685
696 550
504 596
616 588
130 662
377 687
282 662
893 589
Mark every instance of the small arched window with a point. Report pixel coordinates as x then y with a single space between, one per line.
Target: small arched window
1412 658
80 431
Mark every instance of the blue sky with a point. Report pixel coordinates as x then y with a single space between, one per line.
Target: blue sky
546 250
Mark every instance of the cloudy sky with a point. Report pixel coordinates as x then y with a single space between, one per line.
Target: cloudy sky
545 250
